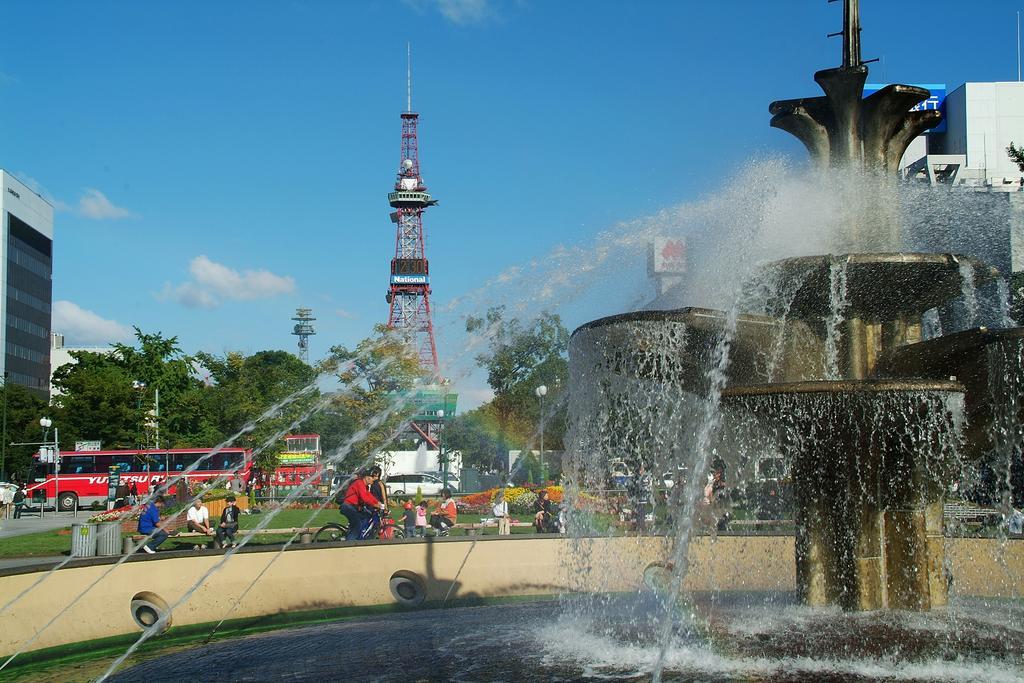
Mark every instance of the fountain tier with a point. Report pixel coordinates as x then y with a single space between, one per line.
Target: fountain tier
870 461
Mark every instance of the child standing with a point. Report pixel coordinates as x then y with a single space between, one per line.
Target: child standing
421 519
410 519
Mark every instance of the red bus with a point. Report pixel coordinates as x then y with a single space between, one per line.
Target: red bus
84 474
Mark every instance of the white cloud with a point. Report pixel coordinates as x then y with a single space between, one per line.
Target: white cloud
474 397
461 12
465 12
85 328
94 204
342 313
212 283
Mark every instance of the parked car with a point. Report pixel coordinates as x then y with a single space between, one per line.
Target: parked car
454 481
407 484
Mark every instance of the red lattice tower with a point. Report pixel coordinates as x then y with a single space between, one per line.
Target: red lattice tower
409 294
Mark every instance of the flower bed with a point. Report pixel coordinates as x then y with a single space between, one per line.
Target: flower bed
520 499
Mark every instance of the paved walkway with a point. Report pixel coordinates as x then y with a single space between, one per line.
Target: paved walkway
11 562
33 523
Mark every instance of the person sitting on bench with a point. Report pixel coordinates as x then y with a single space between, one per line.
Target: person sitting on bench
445 514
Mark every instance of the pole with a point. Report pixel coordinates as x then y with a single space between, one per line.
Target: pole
42 505
440 454
3 444
157 418
56 469
408 102
1018 46
543 467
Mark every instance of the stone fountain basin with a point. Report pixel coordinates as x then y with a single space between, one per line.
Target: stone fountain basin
880 286
852 424
678 345
983 360
870 462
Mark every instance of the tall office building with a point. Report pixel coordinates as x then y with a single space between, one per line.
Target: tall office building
26 269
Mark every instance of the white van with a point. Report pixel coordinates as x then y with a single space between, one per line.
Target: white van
407 484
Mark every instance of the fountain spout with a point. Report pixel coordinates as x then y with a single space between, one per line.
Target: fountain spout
851 33
845 129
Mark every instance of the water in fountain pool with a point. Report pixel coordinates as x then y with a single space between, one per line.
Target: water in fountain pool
742 637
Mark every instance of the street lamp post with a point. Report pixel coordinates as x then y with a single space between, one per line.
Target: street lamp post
541 392
140 387
46 423
440 450
3 444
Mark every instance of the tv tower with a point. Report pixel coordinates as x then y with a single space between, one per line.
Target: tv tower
303 330
409 292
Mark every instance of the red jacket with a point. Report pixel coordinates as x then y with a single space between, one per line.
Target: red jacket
358 494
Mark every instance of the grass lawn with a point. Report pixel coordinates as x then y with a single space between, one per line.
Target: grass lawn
288 519
49 543
36 545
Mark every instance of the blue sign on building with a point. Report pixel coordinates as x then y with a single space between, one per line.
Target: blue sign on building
936 101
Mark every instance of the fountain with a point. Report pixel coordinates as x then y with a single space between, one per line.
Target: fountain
831 364
829 369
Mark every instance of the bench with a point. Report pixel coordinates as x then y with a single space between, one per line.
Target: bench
756 523
472 528
241 532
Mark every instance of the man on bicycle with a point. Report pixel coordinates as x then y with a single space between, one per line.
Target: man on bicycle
357 499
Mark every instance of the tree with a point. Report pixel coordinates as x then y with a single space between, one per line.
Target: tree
98 401
474 435
520 359
376 374
1016 156
23 410
244 388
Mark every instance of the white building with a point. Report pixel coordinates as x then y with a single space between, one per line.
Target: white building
26 271
420 460
982 119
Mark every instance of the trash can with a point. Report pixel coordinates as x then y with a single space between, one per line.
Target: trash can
108 539
83 540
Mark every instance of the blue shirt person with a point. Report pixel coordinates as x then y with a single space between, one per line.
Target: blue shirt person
149 524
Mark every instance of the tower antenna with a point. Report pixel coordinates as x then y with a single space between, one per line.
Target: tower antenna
408 77
850 33
303 330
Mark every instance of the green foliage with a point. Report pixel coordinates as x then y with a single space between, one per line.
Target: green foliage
1016 155
520 358
419 495
98 400
475 435
376 374
23 409
244 387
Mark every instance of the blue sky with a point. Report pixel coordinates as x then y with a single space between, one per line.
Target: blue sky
216 165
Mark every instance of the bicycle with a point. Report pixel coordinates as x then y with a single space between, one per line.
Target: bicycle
381 526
